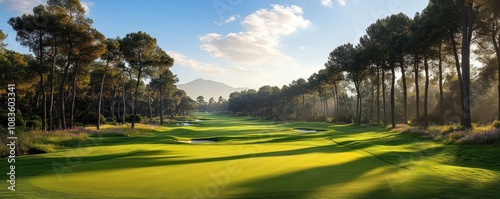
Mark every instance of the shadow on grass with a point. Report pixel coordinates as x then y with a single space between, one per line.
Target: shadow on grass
305 183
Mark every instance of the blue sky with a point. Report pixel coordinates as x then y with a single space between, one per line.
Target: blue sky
242 43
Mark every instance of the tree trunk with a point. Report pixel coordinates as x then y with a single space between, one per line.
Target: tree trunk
73 98
466 12
426 95
161 105
494 39
123 97
393 85
459 74
42 89
134 103
378 95
405 94
383 96
62 114
51 103
337 105
441 96
149 106
417 92
360 106
100 95
112 102
372 105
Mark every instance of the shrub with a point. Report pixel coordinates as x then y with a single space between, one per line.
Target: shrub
138 118
111 120
89 117
455 134
495 123
33 124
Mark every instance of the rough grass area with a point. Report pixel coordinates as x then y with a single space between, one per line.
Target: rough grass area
255 158
455 134
35 142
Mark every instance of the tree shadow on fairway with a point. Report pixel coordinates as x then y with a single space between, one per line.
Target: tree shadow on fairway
138 159
436 187
75 163
305 183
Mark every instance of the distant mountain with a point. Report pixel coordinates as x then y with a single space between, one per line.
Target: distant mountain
208 89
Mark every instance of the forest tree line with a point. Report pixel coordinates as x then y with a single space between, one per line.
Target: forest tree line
74 75
403 69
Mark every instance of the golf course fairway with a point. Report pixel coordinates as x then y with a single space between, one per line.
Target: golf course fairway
251 158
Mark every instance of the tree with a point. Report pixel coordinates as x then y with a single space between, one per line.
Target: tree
490 30
165 82
3 36
139 51
31 32
111 55
467 22
90 46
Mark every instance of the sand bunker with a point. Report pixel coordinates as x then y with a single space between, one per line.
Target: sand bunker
187 124
303 130
197 141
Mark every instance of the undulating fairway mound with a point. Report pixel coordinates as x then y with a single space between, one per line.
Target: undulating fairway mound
252 158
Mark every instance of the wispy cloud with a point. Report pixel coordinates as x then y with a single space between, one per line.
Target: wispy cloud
86 6
326 3
260 42
21 7
26 6
342 2
228 20
196 65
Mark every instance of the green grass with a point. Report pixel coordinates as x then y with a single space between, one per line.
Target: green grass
259 159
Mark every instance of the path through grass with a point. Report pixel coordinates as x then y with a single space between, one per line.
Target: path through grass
260 159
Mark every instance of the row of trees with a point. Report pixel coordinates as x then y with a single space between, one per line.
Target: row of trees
76 73
212 106
391 55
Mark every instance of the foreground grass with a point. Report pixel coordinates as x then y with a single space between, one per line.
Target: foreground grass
260 159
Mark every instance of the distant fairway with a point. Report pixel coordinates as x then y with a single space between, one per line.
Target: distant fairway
260 159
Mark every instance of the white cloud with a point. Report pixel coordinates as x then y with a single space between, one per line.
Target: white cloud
21 7
260 42
342 2
196 65
302 48
86 6
228 20
26 6
326 3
